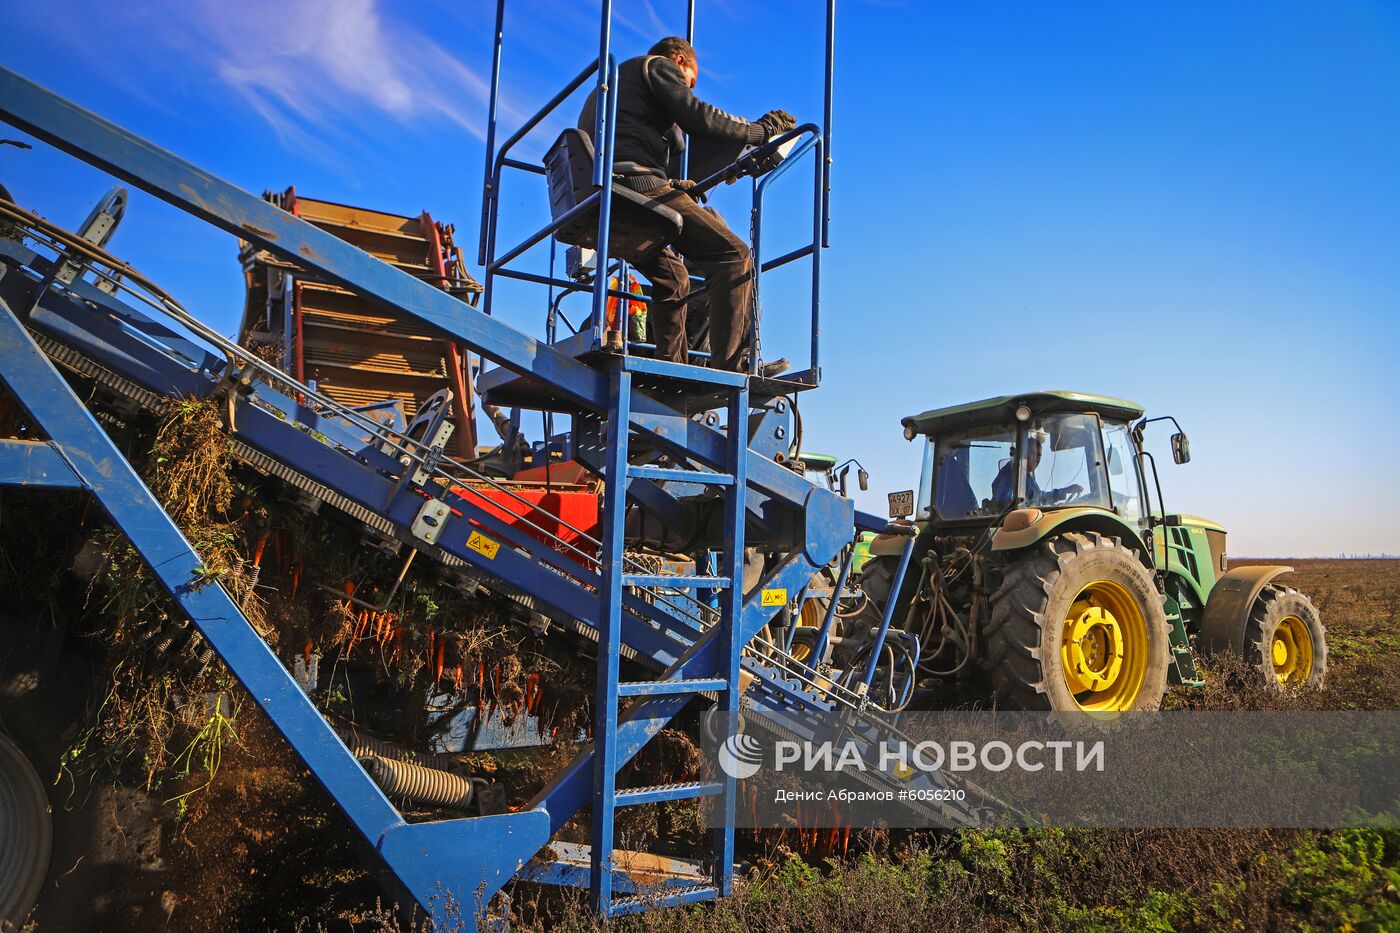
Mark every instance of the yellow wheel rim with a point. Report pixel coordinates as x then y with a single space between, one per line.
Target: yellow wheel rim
1292 651
810 617
1103 647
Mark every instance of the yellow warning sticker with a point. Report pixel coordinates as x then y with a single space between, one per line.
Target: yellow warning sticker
775 597
483 545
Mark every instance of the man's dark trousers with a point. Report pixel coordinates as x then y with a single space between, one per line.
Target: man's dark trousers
724 261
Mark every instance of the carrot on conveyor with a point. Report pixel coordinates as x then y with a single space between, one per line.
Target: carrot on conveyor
258 549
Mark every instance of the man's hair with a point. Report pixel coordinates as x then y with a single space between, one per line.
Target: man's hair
670 46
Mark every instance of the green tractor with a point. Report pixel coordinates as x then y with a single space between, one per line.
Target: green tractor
1043 570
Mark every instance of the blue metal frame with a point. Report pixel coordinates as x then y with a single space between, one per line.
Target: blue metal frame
824 633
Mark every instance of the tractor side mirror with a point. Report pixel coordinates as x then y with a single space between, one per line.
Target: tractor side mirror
863 478
1181 447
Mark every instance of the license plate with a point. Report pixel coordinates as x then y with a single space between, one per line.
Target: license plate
901 503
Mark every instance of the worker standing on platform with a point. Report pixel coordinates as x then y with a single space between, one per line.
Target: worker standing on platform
655 106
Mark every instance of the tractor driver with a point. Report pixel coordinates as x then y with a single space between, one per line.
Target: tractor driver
1004 486
654 106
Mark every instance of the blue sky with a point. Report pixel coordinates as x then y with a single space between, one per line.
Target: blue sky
1194 205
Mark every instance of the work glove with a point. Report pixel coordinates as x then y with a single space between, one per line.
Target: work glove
687 186
776 123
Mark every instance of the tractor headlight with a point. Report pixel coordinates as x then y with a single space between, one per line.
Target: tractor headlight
1023 413
909 432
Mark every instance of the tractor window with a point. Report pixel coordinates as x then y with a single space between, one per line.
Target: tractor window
967 467
1064 462
1123 477
820 476
925 507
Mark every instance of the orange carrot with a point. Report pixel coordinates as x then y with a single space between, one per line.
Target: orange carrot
258 550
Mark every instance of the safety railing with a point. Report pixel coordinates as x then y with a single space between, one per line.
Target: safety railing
816 145
810 139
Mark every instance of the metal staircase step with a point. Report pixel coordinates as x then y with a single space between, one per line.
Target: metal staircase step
660 793
652 367
637 903
633 872
680 476
652 688
675 581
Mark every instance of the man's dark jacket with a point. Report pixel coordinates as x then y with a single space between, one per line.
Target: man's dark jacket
654 106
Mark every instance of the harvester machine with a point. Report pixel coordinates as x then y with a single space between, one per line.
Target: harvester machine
680 571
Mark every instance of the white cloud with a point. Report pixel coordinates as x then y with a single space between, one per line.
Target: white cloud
321 62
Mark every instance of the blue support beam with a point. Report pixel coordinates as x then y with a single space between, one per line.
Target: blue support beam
605 762
730 637
886 618
39 464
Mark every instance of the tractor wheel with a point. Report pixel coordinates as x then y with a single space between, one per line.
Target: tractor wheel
26 835
1077 624
1284 639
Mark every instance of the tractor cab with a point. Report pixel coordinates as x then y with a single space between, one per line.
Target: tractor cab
819 469
1082 593
826 471
1042 451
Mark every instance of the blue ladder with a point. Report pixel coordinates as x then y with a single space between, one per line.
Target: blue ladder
724 683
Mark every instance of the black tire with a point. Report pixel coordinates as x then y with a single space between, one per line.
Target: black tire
26 835
1025 653
1282 615
877 578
